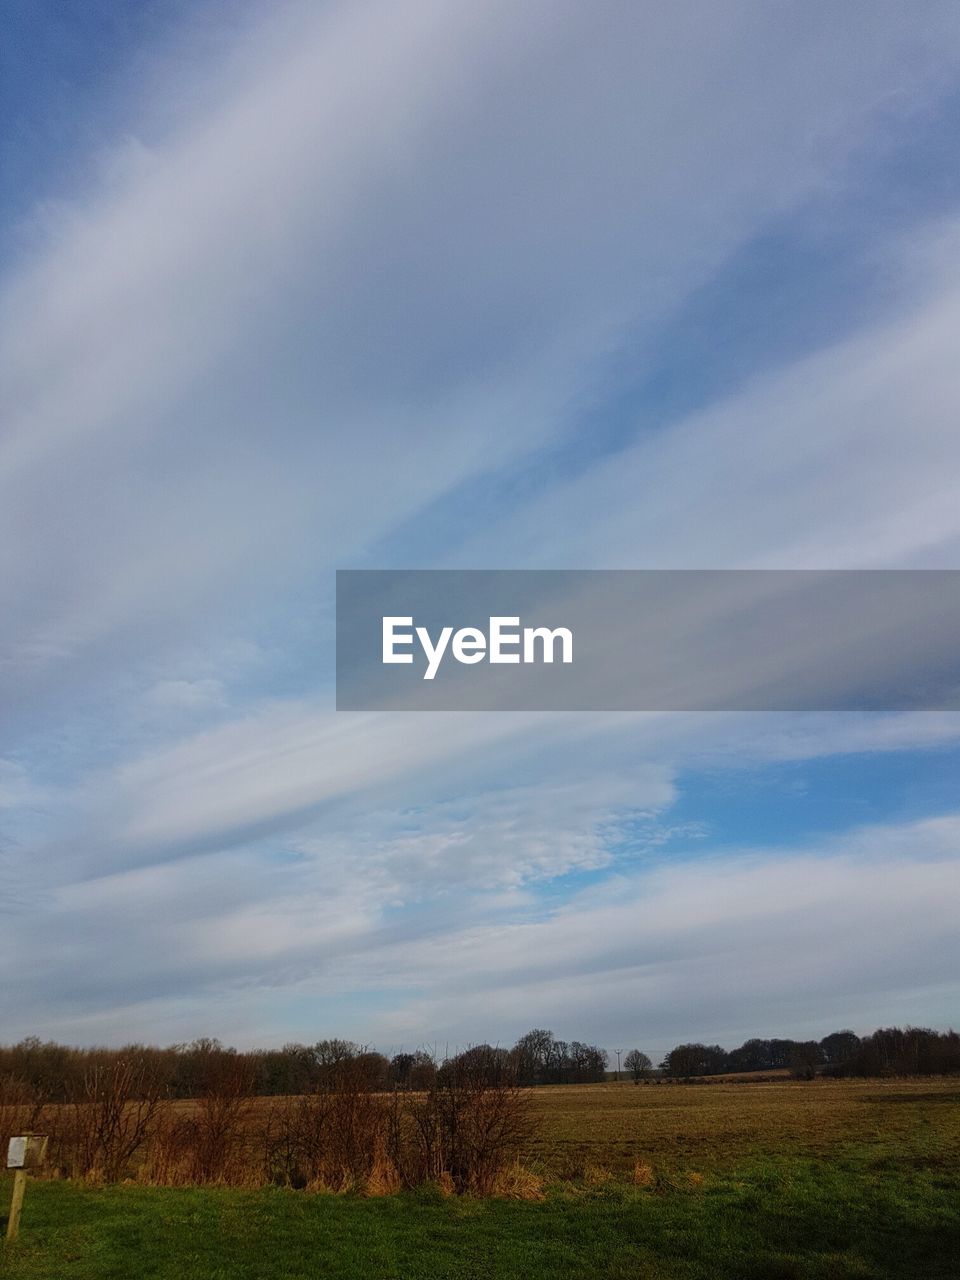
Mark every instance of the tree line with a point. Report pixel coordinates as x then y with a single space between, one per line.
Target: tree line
54 1072
889 1051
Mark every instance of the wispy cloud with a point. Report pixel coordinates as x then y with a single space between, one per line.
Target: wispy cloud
353 291
856 929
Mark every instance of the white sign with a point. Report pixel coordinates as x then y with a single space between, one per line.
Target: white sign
16 1153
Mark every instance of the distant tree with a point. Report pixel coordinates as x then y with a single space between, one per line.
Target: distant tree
373 1070
415 1071
769 1055
638 1064
290 1070
533 1055
896 1051
401 1064
695 1060
423 1072
781 1052
49 1069
587 1063
805 1057
839 1048
480 1062
206 1069
753 1055
331 1053
558 1063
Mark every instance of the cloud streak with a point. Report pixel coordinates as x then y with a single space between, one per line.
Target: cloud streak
355 292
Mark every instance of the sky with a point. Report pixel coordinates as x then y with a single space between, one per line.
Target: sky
296 287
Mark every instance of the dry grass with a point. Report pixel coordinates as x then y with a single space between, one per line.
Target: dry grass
518 1182
643 1174
713 1126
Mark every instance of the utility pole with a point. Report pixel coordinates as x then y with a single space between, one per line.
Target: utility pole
618 1053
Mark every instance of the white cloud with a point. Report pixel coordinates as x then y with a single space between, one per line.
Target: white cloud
185 695
844 459
383 254
713 948
361 273
770 941
16 788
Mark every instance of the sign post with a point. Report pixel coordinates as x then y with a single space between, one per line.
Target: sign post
23 1153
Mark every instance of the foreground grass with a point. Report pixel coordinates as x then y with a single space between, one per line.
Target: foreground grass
853 1218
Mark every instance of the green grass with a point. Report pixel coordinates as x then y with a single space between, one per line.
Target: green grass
827 1181
859 1215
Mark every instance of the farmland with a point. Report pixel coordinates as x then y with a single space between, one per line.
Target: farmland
825 1180
709 1127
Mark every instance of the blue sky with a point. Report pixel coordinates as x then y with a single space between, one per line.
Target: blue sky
289 288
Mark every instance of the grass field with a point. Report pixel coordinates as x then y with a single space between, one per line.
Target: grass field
711 1127
822 1181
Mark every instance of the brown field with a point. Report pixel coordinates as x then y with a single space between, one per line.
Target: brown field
708 1126
584 1129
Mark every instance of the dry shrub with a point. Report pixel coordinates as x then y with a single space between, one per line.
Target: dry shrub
595 1175
414 1139
383 1179
517 1182
168 1160
356 1129
113 1111
211 1145
469 1126
643 1174
335 1138
299 1146
294 1133
463 1135
214 1140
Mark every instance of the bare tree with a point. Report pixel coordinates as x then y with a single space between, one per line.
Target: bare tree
638 1064
532 1054
115 1111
